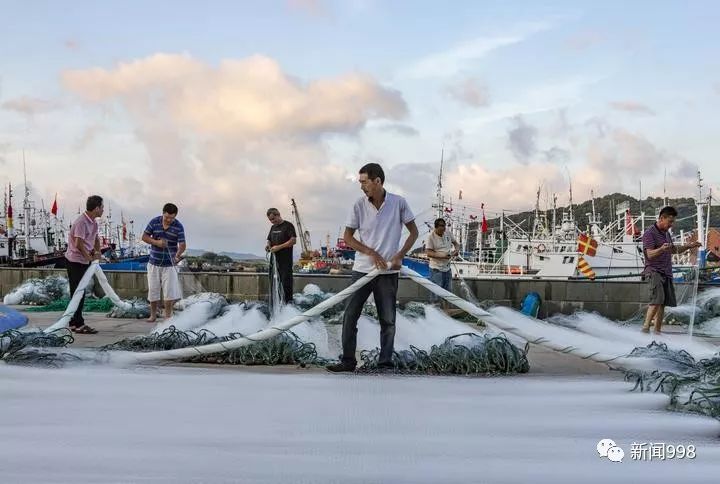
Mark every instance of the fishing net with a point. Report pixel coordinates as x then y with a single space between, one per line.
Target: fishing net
39 291
14 341
693 386
463 354
139 309
102 305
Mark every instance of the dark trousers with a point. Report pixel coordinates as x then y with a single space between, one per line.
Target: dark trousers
384 290
76 271
285 274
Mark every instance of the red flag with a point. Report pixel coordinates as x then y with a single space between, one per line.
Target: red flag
54 209
630 227
448 210
484 227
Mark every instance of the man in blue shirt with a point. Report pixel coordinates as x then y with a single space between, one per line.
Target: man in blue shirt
166 236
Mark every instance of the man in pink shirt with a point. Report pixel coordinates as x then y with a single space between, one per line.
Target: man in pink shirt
83 248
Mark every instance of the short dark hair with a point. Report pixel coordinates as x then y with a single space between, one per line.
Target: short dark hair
93 202
373 170
439 221
170 208
668 212
272 210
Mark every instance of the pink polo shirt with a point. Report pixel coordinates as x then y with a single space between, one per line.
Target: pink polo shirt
86 229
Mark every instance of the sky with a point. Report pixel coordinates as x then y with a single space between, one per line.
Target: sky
228 108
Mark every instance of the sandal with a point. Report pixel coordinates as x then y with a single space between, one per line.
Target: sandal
84 329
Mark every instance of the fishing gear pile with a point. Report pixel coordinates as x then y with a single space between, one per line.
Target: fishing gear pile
693 386
462 354
39 291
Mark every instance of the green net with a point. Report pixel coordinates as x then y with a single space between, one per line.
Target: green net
103 305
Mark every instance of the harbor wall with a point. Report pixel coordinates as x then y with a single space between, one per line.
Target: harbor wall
617 300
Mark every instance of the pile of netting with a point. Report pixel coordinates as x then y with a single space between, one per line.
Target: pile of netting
138 308
39 291
14 343
284 349
462 354
693 386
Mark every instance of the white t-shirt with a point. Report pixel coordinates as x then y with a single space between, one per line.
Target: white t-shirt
442 244
379 229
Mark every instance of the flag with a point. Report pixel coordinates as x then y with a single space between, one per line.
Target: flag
9 210
54 209
473 217
585 269
484 227
630 227
124 226
587 245
448 209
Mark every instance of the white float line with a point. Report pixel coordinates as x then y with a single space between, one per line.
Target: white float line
191 351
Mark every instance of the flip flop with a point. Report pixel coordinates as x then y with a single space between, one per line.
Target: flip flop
84 329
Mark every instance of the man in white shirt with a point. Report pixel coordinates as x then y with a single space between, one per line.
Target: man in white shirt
378 219
440 247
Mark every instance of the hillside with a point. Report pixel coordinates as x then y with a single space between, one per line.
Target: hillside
604 207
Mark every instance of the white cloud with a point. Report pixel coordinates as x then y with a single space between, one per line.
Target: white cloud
450 62
30 106
226 142
470 92
632 107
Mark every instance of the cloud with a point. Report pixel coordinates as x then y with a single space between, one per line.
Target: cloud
522 140
716 88
226 142
450 62
685 169
401 129
311 7
71 44
632 107
243 98
582 41
557 155
470 92
30 106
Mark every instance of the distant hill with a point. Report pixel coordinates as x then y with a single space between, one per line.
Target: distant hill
604 207
237 256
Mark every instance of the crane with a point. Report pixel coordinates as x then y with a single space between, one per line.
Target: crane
303 234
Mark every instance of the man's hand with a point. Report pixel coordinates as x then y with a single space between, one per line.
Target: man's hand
665 247
178 259
396 261
378 260
453 253
694 245
161 243
275 249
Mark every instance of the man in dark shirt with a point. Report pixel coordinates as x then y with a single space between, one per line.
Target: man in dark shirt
658 248
280 241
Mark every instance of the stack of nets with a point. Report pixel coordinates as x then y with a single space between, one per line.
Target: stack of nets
284 349
693 386
39 291
463 354
22 346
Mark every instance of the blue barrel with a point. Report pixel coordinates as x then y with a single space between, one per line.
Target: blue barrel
11 319
530 304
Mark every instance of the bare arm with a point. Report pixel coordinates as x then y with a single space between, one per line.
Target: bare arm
284 245
149 240
181 250
412 237
436 254
685 247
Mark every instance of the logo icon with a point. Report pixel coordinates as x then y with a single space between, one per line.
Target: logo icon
608 448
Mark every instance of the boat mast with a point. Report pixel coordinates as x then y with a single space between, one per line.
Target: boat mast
439 193
26 209
700 223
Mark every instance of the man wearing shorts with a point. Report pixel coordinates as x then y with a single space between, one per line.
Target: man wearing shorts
166 236
658 248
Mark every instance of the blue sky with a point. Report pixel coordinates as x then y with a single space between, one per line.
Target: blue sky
518 94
